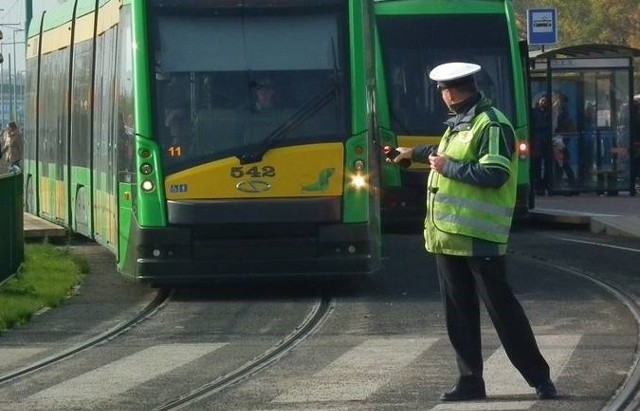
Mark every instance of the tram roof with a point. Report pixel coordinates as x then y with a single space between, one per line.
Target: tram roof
589 51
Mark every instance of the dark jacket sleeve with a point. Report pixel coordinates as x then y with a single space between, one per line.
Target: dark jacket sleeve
421 153
484 174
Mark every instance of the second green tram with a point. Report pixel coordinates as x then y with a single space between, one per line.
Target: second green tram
148 129
414 36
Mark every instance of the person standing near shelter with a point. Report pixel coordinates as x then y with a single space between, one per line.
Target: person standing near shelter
541 134
563 128
470 201
12 145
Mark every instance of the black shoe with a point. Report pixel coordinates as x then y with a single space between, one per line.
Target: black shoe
467 388
546 390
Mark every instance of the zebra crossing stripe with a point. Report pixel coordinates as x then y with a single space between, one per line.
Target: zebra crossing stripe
357 374
484 406
124 374
503 380
354 376
9 356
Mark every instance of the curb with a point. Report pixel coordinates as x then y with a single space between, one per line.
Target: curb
622 226
548 216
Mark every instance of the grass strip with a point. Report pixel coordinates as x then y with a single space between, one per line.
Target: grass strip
46 278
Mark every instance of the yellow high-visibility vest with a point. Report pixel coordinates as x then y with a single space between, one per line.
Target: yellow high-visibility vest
455 207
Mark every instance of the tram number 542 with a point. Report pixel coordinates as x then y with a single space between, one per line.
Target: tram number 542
255 171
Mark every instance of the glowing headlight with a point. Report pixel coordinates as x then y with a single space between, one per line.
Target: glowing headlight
147 185
358 181
523 150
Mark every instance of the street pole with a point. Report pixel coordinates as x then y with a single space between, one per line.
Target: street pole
15 76
1 84
12 91
15 79
10 87
1 89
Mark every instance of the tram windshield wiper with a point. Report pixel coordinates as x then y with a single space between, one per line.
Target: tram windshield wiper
285 129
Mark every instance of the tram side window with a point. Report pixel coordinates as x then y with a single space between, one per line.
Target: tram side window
80 127
52 111
124 100
104 119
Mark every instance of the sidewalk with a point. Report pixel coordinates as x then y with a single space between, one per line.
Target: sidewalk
616 215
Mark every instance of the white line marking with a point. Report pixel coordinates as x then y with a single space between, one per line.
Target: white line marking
484 406
573 212
126 373
502 379
617 247
355 375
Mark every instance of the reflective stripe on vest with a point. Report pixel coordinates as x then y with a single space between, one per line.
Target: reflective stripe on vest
494 157
462 218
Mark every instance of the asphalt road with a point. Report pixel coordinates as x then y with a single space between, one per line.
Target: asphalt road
381 345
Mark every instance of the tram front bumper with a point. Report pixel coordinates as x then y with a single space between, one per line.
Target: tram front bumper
182 254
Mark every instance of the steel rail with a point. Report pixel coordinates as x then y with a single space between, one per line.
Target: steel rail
314 319
161 298
627 392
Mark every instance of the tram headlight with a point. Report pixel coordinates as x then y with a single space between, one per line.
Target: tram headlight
358 181
358 165
147 186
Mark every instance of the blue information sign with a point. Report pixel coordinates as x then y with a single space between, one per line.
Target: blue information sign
542 27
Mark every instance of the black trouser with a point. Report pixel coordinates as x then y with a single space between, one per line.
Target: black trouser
543 174
462 279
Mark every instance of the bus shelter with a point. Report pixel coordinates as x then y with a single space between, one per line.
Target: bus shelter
584 123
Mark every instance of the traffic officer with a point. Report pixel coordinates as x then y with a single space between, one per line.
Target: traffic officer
470 201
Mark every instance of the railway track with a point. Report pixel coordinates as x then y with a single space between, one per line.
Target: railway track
625 398
314 319
145 312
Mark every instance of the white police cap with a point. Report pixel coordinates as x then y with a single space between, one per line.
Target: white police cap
453 73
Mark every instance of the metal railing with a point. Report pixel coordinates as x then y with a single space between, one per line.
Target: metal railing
11 222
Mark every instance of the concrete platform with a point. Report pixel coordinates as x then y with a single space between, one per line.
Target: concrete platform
616 215
36 227
626 226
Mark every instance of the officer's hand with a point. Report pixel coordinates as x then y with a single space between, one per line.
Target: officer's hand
438 162
405 153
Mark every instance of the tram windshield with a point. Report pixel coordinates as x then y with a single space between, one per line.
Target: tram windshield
413 45
229 82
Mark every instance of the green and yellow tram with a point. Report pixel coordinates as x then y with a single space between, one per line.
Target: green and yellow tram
413 36
146 130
